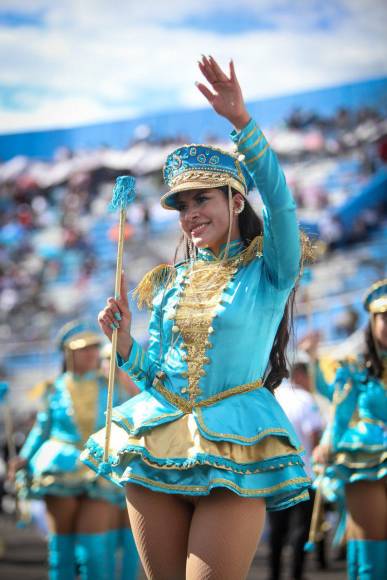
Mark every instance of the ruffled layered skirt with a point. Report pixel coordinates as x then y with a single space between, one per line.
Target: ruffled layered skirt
361 453
56 469
244 443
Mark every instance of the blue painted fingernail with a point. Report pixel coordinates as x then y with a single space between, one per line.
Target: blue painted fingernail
117 316
112 326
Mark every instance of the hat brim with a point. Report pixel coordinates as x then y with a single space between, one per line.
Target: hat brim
83 340
168 200
378 306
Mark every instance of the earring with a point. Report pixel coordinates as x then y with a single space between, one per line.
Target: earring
191 250
239 209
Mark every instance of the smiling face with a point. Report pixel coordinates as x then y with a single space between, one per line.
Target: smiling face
204 217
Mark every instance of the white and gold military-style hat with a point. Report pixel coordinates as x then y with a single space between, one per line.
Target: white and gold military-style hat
78 334
202 167
375 300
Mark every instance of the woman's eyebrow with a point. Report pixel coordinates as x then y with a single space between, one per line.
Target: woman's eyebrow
200 193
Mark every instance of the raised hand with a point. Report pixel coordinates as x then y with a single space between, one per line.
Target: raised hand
226 97
116 315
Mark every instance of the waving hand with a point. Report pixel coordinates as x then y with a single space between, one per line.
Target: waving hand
226 96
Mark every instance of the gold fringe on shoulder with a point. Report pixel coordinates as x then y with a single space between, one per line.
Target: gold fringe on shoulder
308 250
162 276
255 249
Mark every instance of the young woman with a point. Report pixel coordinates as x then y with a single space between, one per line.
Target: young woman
354 447
82 510
205 448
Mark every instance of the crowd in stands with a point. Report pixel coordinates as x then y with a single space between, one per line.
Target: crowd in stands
56 234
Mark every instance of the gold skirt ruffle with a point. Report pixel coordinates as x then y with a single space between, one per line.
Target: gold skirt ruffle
180 445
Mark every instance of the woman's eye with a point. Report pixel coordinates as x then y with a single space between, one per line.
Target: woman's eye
202 199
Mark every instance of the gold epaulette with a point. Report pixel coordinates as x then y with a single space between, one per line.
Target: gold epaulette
308 250
255 248
328 366
39 390
161 277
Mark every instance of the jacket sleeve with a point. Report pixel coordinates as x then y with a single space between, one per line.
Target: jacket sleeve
142 363
345 400
39 433
322 386
281 242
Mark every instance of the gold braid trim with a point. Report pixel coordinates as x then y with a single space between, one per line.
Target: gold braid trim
162 276
220 482
188 405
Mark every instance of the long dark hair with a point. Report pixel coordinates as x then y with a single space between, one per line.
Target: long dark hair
251 226
372 360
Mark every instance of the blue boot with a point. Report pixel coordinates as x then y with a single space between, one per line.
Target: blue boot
352 559
130 558
61 559
372 555
95 557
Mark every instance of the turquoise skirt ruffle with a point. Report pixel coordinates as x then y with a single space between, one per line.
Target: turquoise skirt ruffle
56 469
361 454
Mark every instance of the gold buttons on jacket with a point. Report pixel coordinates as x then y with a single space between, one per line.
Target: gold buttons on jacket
175 328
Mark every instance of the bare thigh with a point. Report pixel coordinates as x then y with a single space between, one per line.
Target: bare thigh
224 535
367 509
95 516
160 524
61 514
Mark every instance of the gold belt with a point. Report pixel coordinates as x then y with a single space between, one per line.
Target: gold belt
60 440
187 406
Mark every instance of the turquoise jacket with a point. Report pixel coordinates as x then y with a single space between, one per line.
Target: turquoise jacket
211 332
244 324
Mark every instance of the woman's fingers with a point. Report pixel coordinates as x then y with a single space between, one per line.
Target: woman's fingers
220 76
233 76
206 92
107 321
206 71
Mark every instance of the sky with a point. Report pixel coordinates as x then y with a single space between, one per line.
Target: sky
73 62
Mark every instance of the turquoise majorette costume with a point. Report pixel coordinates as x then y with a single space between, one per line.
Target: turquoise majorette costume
72 408
204 419
357 435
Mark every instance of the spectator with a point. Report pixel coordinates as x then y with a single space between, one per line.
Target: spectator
298 403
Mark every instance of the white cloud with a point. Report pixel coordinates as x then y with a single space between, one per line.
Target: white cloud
98 59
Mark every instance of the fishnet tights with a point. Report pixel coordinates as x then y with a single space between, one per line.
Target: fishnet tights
208 538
